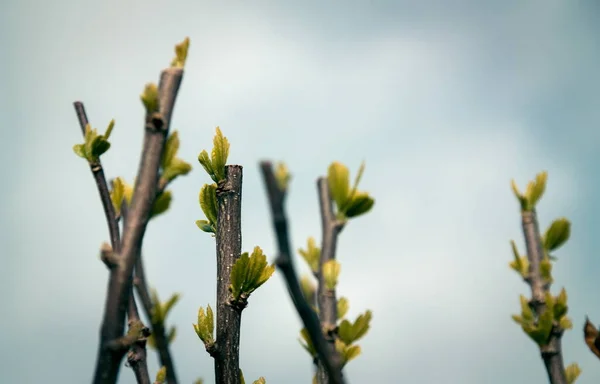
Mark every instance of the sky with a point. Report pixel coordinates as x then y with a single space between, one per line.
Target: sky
444 103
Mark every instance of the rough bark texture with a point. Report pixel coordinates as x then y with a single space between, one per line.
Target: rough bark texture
229 248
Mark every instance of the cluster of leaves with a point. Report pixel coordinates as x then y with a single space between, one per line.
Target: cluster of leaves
94 144
159 315
538 326
349 201
249 273
215 167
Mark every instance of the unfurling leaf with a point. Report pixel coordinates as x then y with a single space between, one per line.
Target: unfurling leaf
311 254
94 145
177 167
249 272
219 155
359 204
117 193
591 337
204 160
533 193
209 204
170 151
261 380
205 326
331 272
161 375
150 98
205 226
342 307
338 178
572 372
520 263
307 344
181 52
282 176
161 204
557 234
347 352
560 305
349 333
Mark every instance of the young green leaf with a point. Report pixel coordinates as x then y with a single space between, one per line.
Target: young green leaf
342 307
170 303
249 272
338 178
311 254
208 202
219 155
161 204
172 334
177 167
282 176
204 160
349 333
181 52
117 194
205 326
171 148
519 264
557 234
359 204
535 189
560 304
331 272
161 375
205 226
522 199
306 342
261 380
150 98
572 372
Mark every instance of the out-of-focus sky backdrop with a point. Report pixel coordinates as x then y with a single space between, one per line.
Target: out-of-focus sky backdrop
445 103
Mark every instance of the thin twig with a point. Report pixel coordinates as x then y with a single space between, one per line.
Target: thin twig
229 248
552 352
285 264
326 298
120 281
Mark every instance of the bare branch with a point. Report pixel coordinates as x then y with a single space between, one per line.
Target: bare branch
120 281
326 298
285 264
229 248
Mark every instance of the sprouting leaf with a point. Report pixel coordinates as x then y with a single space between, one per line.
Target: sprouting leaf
308 290
170 303
519 264
181 51
161 375
359 204
261 380
161 204
526 311
342 307
331 272
206 226
94 145
249 272
572 372
205 326
79 150
204 160
177 167
117 194
347 352
208 202
150 98
349 332
170 151
282 176
557 234
591 337
219 155
127 192
536 189
307 344
311 254
546 269
565 323
560 305
172 334
338 178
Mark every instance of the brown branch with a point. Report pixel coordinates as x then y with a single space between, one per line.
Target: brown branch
120 280
552 351
326 298
229 248
285 264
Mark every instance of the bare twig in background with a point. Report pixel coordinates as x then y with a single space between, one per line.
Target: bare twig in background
229 248
285 264
552 352
120 280
326 298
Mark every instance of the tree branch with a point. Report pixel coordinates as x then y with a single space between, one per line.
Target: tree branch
229 248
552 352
120 281
326 298
285 264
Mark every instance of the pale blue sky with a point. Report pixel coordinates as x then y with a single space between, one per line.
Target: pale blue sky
444 103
